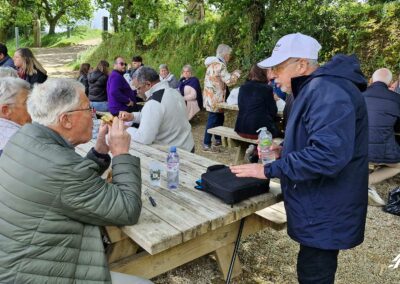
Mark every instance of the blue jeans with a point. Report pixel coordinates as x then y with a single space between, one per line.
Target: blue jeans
316 266
214 119
100 106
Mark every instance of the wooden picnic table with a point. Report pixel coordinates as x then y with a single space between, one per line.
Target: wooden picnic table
225 105
186 223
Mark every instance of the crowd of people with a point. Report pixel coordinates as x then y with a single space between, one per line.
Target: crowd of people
334 126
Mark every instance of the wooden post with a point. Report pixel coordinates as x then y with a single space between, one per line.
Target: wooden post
68 32
37 41
16 37
105 24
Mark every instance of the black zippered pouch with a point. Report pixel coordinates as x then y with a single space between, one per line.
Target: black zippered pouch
222 183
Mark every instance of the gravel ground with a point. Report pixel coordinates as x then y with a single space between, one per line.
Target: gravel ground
270 256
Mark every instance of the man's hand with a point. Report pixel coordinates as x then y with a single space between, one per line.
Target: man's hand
249 170
101 145
125 116
119 140
130 104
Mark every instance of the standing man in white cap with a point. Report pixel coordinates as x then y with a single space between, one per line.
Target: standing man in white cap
323 165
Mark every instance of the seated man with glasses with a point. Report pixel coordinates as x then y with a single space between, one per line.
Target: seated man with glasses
120 95
53 200
323 165
163 118
13 114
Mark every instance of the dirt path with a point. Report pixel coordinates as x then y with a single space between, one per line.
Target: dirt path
55 60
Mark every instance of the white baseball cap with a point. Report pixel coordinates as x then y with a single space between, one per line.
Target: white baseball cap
292 45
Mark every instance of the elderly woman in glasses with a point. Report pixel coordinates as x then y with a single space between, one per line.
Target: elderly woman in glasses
165 75
13 114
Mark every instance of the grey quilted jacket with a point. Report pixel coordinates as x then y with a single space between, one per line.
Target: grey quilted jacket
52 201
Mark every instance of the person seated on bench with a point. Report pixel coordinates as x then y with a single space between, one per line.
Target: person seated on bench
13 114
383 108
257 108
53 200
163 118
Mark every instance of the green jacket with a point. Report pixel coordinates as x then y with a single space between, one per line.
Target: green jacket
52 201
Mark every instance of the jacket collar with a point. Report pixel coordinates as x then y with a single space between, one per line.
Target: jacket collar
159 86
298 83
52 134
379 84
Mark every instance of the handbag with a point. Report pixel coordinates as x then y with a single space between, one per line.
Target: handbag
222 183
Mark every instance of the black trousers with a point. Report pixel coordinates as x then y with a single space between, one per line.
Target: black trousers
316 266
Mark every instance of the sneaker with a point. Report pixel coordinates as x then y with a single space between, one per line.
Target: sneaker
207 148
249 153
374 199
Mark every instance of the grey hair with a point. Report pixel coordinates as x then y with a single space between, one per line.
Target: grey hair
187 66
163 66
10 88
8 72
382 75
52 98
223 50
147 74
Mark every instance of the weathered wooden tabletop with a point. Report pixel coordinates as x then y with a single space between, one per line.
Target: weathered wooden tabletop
184 214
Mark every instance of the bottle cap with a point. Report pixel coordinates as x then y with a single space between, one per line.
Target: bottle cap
262 129
172 149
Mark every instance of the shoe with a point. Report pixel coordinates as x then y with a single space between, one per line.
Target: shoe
207 148
249 152
374 199
218 143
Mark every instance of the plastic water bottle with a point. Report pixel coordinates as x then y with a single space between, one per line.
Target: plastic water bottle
96 125
127 77
173 168
265 142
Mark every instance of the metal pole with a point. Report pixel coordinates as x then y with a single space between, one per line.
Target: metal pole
235 251
16 37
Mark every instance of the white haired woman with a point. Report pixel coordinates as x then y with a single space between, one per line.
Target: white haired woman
165 75
215 87
13 114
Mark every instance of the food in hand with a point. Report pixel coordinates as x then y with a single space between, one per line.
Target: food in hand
107 119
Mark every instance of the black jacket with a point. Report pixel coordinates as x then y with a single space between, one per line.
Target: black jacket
39 78
97 86
383 108
257 108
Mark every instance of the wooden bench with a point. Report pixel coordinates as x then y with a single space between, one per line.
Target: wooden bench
231 139
276 214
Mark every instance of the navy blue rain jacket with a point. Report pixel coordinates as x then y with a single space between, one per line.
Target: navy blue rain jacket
383 108
324 162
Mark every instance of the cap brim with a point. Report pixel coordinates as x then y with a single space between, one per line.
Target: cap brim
271 61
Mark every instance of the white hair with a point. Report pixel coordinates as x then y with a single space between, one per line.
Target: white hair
382 75
10 88
223 50
53 98
188 67
163 66
8 72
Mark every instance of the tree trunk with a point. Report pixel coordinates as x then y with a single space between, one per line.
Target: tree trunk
3 34
52 27
256 13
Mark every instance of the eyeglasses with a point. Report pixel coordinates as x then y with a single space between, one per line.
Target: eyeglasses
280 67
91 109
121 63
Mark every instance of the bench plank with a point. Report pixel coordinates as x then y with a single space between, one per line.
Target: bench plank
276 214
229 133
